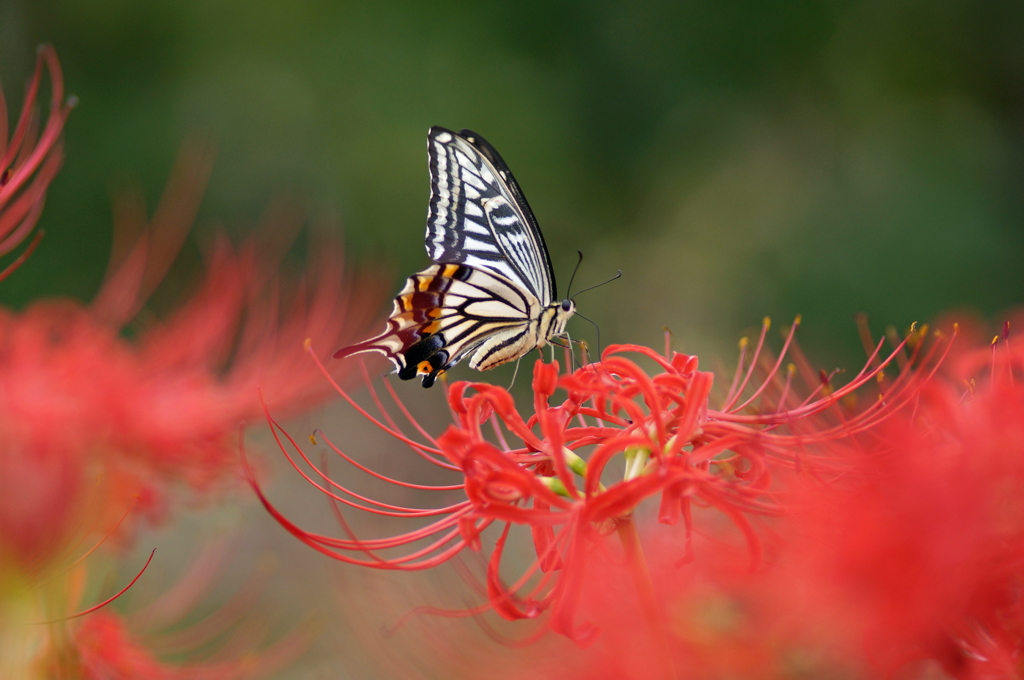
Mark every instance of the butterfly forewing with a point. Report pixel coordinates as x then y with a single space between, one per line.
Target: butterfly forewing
478 216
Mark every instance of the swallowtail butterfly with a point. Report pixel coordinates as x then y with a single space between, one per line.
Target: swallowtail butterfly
490 294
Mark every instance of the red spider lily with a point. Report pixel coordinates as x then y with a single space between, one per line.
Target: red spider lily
659 425
30 159
908 562
90 419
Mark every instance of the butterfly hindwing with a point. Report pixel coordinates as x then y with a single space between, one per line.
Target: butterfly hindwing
445 312
478 215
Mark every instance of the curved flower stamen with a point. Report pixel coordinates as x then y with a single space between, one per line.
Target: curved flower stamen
30 159
105 602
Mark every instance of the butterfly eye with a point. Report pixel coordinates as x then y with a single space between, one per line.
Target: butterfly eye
566 305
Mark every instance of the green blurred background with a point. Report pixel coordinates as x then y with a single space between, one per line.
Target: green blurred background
734 158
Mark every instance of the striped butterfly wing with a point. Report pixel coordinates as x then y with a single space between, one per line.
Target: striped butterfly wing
479 217
445 312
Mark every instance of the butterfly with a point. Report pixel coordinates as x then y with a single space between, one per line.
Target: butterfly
490 294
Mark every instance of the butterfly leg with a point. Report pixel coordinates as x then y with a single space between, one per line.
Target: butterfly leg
515 373
596 328
572 353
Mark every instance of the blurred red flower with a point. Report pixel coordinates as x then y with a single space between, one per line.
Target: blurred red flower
667 441
917 551
110 410
30 158
90 419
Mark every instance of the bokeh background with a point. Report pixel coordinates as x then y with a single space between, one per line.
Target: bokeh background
734 158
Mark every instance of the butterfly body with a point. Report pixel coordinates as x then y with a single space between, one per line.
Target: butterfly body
491 294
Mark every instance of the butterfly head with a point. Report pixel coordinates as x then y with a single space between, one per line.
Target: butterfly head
563 312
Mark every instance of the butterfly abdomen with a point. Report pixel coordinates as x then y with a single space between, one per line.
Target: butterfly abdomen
504 347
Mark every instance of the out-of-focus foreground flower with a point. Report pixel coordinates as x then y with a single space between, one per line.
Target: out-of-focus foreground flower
575 470
90 419
30 158
110 413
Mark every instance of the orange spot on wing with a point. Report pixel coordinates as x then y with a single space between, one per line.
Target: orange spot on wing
424 367
450 269
423 284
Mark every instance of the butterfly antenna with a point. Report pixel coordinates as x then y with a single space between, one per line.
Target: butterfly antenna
597 286
596 327
575 269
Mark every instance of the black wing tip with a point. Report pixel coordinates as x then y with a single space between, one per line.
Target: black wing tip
471 136
468 135
436 130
